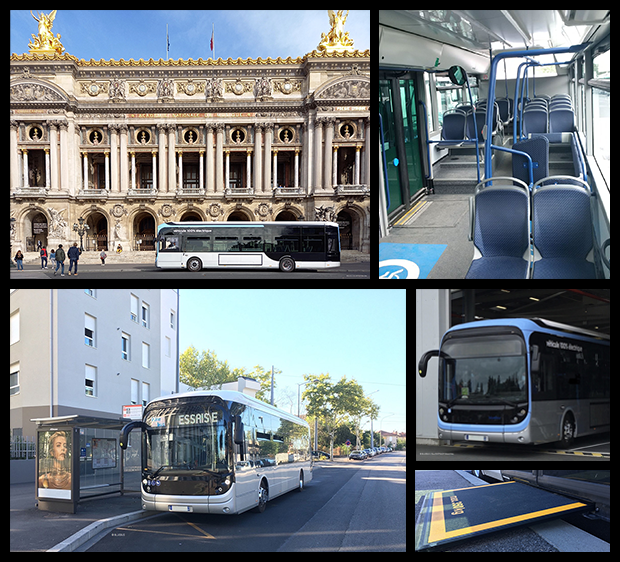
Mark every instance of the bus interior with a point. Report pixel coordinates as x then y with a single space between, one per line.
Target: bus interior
494 144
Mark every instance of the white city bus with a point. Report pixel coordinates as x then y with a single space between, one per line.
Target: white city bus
219 452
284 245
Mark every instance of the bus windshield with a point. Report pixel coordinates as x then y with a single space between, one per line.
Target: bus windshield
484 370
186 439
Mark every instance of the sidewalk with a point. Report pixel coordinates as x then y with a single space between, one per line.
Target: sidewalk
34 530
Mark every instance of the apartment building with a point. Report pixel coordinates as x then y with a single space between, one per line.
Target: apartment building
89 351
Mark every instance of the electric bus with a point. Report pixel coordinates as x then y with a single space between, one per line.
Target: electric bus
494 152
284 245
219 452
518 380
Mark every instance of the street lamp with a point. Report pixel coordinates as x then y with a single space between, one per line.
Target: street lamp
81 229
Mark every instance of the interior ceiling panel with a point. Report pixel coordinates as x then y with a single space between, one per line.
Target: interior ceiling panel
587 308
477 29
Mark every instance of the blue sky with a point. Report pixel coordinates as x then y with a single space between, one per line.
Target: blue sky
142 34
354 333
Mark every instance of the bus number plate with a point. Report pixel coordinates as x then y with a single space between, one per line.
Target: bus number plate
183 508
476 438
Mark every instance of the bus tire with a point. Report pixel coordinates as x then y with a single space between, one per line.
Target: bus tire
568 431
302 484
194 264
287 264
263 497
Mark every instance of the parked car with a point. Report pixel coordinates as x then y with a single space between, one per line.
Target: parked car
357 455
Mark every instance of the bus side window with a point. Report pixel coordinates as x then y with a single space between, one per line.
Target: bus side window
169 243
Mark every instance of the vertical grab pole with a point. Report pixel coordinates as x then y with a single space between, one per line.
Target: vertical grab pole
491 100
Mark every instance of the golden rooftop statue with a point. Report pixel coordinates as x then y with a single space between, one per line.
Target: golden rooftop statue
336 39
45 43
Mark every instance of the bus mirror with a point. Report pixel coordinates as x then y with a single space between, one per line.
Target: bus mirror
457 75
424 361
238 431
124 438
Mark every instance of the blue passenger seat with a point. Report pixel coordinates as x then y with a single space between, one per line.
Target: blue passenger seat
534 120
562 232
538 148
453 128
561 121
501 219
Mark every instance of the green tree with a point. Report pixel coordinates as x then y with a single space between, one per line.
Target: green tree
204 370
336 403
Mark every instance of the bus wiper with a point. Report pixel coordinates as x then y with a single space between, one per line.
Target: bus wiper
451 403
167 466
504 401
160 469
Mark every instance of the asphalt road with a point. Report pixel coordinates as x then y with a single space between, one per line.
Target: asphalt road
351 506
353 270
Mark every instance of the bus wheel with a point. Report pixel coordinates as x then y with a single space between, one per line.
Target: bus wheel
287 264
568 431
194 264
301 481
263 497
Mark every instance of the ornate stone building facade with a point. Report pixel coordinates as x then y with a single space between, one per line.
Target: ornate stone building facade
128 145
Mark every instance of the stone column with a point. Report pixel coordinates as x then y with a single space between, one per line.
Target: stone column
335 166
318 165
161 134
85 176
154 174
133 170
114 158
180 153
172 165
64 156
327 165
14 157
107 170
53 128
227 182
296 180
267 159
219 158
47 168
123 158
258 180
25 159
201 175
248 168
210 162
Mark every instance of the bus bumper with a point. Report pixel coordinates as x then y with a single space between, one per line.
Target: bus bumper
223 505
478 436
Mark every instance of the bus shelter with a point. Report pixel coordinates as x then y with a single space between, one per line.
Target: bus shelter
77 458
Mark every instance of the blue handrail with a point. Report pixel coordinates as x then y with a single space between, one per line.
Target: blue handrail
488 170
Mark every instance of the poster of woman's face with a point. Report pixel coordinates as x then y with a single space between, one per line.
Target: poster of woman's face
54 464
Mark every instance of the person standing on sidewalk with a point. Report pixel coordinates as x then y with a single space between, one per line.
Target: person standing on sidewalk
74 256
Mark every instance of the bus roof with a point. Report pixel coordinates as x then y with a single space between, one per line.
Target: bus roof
532 324
233 396
255 224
